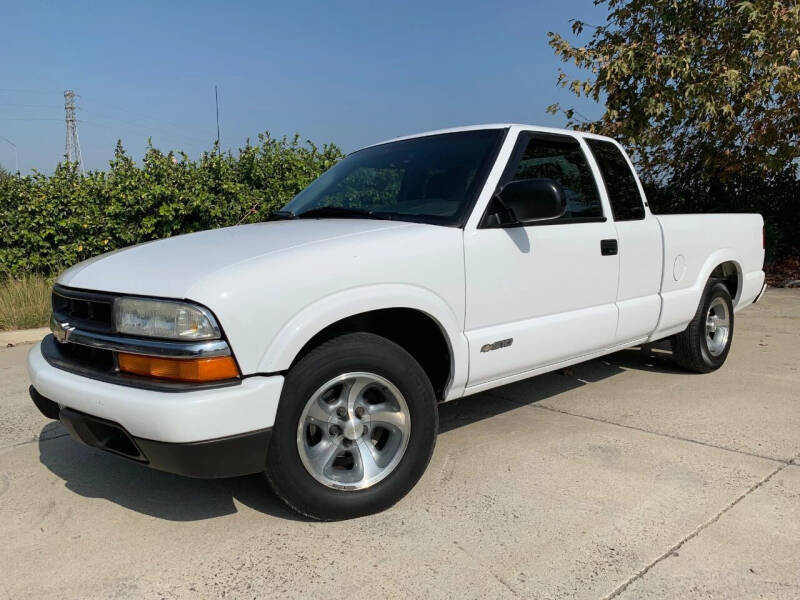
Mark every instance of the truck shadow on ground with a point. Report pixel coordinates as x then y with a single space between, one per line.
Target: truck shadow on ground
95 474
656 357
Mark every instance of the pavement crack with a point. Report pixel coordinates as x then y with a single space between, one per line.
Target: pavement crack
497 577
643 571
34 440
643 430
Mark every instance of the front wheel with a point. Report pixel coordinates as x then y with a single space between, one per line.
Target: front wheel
704 345
355 428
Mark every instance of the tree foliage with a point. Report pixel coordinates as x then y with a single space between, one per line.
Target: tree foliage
48 222
709 87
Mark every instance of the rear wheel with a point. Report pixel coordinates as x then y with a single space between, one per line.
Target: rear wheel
355 429
704 345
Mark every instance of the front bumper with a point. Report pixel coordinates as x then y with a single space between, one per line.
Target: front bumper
156 418
225 457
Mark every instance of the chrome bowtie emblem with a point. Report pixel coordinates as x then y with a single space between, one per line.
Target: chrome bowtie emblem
61 331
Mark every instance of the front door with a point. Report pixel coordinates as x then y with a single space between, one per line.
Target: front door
541 294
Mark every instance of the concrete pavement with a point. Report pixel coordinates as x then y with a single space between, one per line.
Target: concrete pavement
624 478
22 336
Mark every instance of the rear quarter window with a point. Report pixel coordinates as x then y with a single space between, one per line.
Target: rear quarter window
620 182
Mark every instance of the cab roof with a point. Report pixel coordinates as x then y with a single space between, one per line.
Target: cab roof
514 127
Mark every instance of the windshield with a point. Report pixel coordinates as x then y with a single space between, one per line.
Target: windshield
432 179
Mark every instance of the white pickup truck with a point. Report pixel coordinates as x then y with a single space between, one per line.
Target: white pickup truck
315 347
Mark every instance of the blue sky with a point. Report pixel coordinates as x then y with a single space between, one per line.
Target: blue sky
346 72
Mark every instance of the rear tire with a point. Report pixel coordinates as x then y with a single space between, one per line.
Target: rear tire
704 345
355 428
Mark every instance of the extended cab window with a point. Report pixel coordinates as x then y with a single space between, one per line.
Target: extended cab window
623 193
561 158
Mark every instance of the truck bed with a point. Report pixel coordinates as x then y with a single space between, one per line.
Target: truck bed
694 244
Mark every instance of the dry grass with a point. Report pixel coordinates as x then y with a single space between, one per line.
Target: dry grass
25 302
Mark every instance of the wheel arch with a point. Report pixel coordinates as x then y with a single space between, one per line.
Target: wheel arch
730 273
680 305
725 265
374 309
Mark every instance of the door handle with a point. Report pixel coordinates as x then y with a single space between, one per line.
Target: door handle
608 247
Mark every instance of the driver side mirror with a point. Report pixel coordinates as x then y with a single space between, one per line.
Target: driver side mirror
531 200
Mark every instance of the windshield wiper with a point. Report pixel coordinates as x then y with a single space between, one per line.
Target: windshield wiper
340 211
281 215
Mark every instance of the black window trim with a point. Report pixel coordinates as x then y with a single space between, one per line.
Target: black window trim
520 146
546 222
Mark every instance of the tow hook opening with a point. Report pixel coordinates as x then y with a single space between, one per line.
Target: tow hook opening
100 434
117 441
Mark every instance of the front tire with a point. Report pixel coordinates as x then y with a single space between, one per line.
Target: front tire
704 345
355 429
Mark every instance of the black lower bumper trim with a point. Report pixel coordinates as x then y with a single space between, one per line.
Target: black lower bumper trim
47 407
231 456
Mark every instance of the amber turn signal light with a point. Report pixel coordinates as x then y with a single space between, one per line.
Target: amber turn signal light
195 369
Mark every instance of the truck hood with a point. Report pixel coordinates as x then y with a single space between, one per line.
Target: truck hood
172 266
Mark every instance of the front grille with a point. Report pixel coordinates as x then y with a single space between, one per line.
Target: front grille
83 360
85 310
89 357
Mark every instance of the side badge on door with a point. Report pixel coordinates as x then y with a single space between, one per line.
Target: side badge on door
497 345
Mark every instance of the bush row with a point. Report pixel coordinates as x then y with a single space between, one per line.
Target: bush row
49 222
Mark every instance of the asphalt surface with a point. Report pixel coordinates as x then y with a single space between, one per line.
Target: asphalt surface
620 478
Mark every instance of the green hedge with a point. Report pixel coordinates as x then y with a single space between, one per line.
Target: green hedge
50 222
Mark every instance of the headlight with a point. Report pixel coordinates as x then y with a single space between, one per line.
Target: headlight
164 319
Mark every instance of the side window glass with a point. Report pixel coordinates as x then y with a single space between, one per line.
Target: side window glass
623 193
561 158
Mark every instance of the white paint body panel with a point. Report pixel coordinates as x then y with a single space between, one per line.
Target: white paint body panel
273 286
546 282
703 242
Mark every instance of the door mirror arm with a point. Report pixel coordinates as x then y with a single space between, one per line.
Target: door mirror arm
500 215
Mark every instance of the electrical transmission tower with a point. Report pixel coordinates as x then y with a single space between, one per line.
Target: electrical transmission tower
72 148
